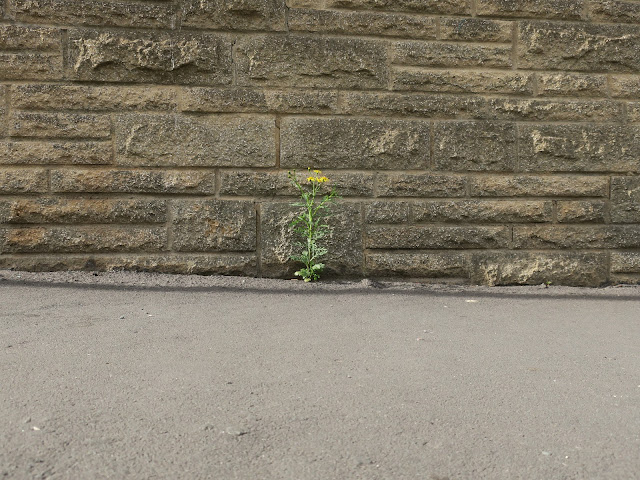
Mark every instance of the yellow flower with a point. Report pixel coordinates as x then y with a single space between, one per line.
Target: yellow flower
317 171
323 179
311 179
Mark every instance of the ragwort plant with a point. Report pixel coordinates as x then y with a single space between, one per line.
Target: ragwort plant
310 224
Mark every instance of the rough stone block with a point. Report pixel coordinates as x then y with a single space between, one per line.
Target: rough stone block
625 262
475 146
30 66
625 199
579 47
345 255
437 237
239 100
384 212
633 110
94 13
572 85
553 110
483 211
117 56
577 236
89 239
556 9
535 268
453 7
213 226
362 23
17 180
438 54
475 30
55 153
235 14
92 98
539 186
311 61
579 148
59 125
420 185
614 11
175 140
82 210
461 81
418 265
197 182
580 211
625 86
16 37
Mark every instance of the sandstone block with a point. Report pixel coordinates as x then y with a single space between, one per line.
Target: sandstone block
354 143
213 226
438 54
18 180
579 148
572 85
55 153
553 110
383 212
175 140
92 98
625 262
475 30
625 199
235 14
475 146
59 125
418 265
94 13
615 11
460 81
83 210
557 9
16 37
539 186
483 211
420 185
362 23
577 236
437 237
579 47
311 61
196 182
278 240
535 268
633 110
625 86
580 211
30 66
117 56
454 7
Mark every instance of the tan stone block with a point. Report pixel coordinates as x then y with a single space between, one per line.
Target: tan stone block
453 7
625 86
440 54
579 211
437 237
420 185
614 11
385 212
577 236
19 180
625 262
557 9
625 199
553 110
418 265
30 66
633 110
17 37
572 85
263 15
59 125
483 211
475 30
55 153
539 186
460 81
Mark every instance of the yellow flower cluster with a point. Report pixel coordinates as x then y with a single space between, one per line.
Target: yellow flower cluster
317 178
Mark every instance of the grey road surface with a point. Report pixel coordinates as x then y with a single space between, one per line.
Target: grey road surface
121 376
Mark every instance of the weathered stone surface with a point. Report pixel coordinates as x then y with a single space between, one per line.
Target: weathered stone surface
580 211
30 66
438 54
572 85
362 23
634 112
213 226
149 57
345 255
16 37
188 264
234 100
579 148
18 180
625 86
553 110
235 14
539 186
387 212
475 30
437 237
92 98
418 265
3 110
59 125
270 184
579 47
90 239
133 181
174 140
557 9
625 262
625 199
94 13
55 153
311 61
456 7
474 146
535 268
82 210
483 211
615 11
420 185
577 236
353 143
461 81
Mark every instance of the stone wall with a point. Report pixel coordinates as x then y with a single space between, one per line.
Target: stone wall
486 141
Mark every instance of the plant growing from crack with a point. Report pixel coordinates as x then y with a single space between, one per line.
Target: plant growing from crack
310 224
